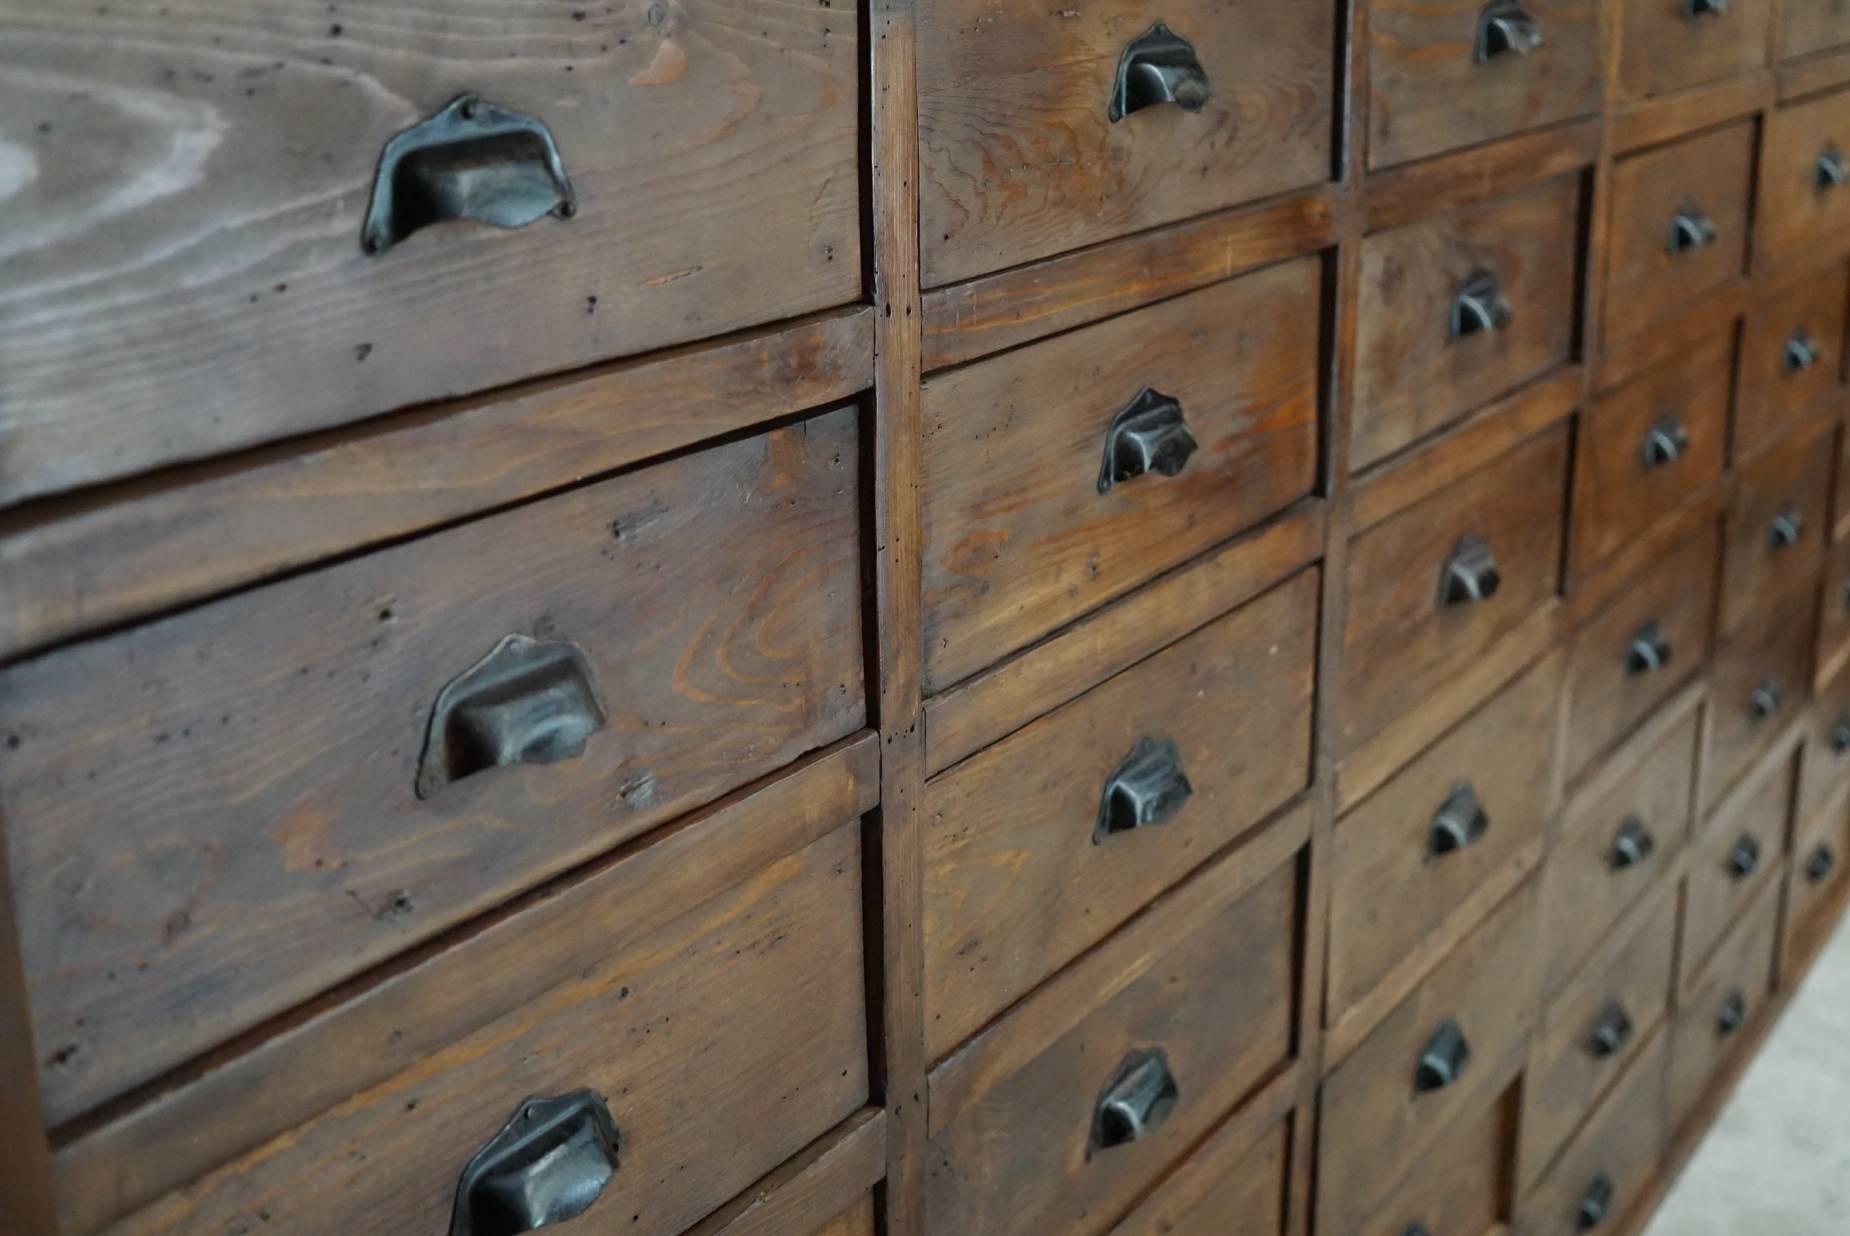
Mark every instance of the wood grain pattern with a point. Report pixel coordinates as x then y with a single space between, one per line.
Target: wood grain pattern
1468 1195
1807 26
1717 893
1018 537
1622 1142
186 275
1696 326
224 802
1663 48
1813 74
1636 125
1406 194
789 1200
27 1205
1774 395
1773 651
1798 222
1224 1181
1793 478
1699 1047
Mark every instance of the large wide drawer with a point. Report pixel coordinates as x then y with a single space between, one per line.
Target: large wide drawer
1064 474
1606 1169
1669 45
220 814
191 252
1804 207
1714 1016
1792 356
1738 851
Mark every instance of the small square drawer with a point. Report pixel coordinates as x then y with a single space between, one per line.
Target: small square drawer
1459 1189
1820 863
1614 842
1714 1015
1088 1124
1067 472
1247 1199
1442 1053
1825 761
1646 449
1776 526
1459 72
1404 860
1678 226
1792 356
1738 851
1669 45
1807 26
1045 130
1805 186
1435 585
1593 1031
1040 846
1759 682
1834 608
1631 655
1459 309
1606 1169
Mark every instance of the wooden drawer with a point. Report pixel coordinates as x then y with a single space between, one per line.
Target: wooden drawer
1019 152
1442 78
1609 1165
1595 1028
1407 857
1631 655
652 1031
195 260
858 1220
1776 526
1667 45
1416 368
1807 26
1792 356
1648 448
1825 761
1382 1110
1804 212
1757 685
1614 842
239 801
1246 1200
1038 1153
1459 1189
1834 608
1738 851
1025 526
1819 865
1678 225
1034 850
1713 1017
1407 628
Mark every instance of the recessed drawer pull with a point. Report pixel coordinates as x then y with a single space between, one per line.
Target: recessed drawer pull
1595 1203
1733 1013
1802 351
1505 30
1611 1032
1632 844
547 1165
1705 8
1787 527
527 702
1444 1059
1147 788
1822 862
1470 573
1744 859
1480 307
1840 734
1158 66
1459 822
1832 169
1691 229
1649 650
1136 1101
1664 442
472 160
1766 699
1148 435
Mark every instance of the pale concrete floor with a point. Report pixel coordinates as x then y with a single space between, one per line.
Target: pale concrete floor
1777 1160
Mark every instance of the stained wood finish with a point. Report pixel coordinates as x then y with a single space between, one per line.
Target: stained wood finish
1834 610
1799 221
1718 891
1019 538
1824 762
27 1205
1776 392
1807 26
1018 158
858 1221
1774 652
1017 883
1247 1199
717 602
1620 1144
191 249
1757 565
1664 47
1815 879
1461 1190
1639 124
1700 1043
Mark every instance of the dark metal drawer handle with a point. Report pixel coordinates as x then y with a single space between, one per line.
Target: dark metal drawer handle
1611 1032
1505 30
1444 1059
1822 862
1459 822
527 702
1733 1013
1480 307
1744 859
1705 8
1148 435
472 160
1595 1203
548 1164
1787 527
1840 735
1664 442
1146 789
1649 650
1136 1101
1632 844
1691 229
1766 699
1158 66
1832 170
1416 1229
1801 352
1470 573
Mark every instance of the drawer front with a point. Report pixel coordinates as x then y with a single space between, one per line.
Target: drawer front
1668 45
1040 1151
1678 225
1713 1018
1415 849
1028 146
1776 528
1825 760
1458 309
1819 865
1738 852
1834 606
1807 26
1792 356
678 631
1646 449
1442 1052
1045 485
1609 1165
1458 1190
1612 846
1040 846
1443 76
1249 1200
1596 1028
857 1220
710 145
1757 685
1628 657
1421 604
653 1032
1804 209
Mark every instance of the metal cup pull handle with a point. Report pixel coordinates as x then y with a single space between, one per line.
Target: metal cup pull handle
1135 1102
1505 31
1705 8
1831 170
1632 844
1664 442
1148 435
1460 821
1480 307
1766 699
548 1164
1691 229
1733 1013
1596 1203
1611 1032
1801 351
1147 788
1470 573
1840 735
1158 66
1443 1060
527 702
1649 650
1744 859
1822 862
1787 527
